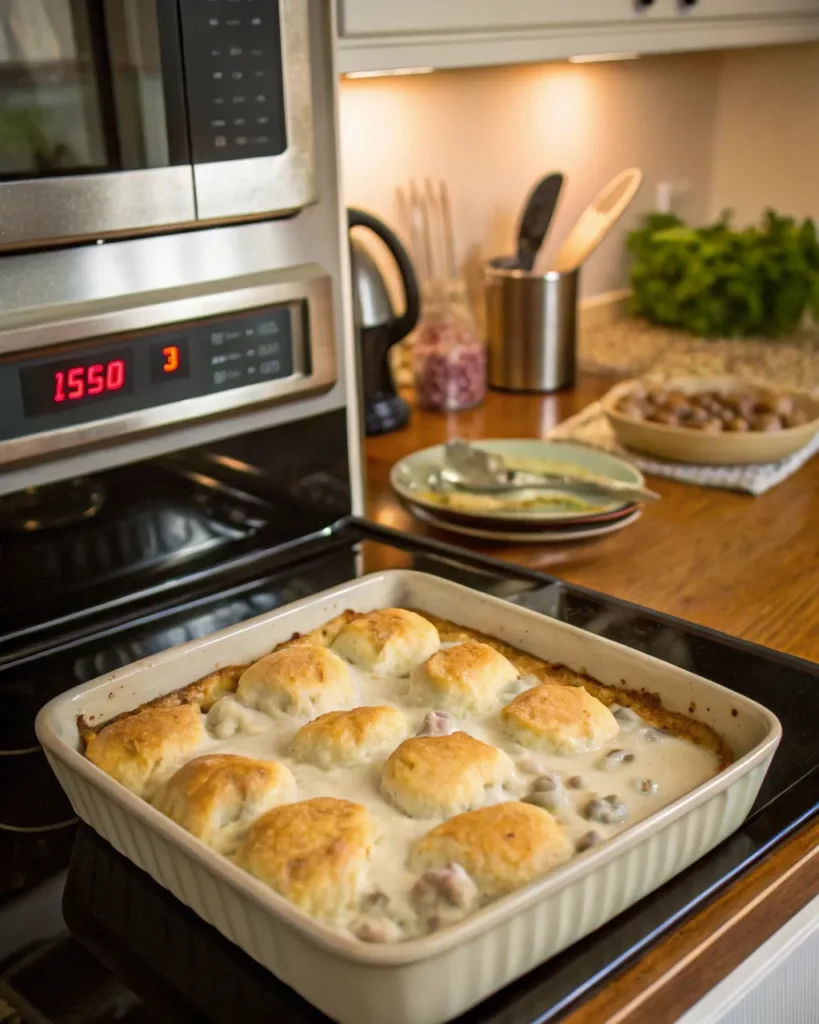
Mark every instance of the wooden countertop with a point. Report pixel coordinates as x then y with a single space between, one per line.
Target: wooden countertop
744 565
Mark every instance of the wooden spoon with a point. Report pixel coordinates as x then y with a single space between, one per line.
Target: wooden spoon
597 220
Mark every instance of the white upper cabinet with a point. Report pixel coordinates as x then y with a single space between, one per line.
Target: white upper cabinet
388 34
751 8
382 17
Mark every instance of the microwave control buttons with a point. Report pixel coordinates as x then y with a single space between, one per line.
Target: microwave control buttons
233 59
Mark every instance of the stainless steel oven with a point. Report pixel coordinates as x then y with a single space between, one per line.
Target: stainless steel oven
134 118
83 382
124 116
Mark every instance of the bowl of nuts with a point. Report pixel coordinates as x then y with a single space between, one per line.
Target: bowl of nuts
716 421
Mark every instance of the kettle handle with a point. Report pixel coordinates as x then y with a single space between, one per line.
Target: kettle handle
403 324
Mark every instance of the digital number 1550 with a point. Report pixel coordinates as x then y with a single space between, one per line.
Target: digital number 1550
81 381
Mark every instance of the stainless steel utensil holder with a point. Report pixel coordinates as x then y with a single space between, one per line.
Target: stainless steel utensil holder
531 322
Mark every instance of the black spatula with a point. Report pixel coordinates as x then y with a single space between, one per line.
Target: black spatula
536 218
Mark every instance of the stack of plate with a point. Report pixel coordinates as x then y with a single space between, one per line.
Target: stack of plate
547 516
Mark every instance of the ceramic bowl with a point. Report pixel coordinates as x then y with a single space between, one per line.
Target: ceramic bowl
684 444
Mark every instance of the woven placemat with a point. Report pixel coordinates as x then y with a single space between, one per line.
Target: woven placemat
591 427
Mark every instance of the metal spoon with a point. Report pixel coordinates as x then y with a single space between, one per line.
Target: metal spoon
475 469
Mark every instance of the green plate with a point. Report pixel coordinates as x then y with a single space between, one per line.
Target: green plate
409 478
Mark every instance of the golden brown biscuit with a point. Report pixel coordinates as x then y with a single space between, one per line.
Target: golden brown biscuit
132 750
435 776
302 679
314 852
465 679
212 795
387 642
565 719
501 848
349 737
204 693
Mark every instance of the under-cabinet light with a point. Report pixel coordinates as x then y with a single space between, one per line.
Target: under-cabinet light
595 58
389 72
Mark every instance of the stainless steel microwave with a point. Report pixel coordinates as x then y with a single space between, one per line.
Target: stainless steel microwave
120 117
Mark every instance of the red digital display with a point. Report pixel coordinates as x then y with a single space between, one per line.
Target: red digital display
55 387
85 381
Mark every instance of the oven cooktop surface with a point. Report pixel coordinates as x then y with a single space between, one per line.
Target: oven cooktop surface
86 936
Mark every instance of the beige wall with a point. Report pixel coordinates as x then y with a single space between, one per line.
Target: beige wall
766 142
491 133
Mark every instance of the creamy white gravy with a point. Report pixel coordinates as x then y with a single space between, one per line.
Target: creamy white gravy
672 765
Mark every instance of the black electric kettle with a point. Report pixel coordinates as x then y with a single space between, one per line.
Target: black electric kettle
376 324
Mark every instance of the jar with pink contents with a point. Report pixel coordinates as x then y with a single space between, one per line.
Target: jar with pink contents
449 358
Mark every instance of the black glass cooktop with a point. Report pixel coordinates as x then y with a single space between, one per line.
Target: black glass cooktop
86 936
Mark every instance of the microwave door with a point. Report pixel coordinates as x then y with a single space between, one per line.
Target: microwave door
250 108
93 127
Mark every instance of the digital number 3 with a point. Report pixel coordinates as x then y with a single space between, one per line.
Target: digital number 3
171 354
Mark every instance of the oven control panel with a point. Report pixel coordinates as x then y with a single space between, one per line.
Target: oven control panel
233 78
83 382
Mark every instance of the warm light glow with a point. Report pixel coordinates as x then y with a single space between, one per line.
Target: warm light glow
596 58
566 102
389 72
386 513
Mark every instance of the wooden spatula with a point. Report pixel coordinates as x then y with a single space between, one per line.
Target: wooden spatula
597 220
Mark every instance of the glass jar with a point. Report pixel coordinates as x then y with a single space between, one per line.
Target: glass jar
448 356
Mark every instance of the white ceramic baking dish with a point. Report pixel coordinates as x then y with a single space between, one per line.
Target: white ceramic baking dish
427 980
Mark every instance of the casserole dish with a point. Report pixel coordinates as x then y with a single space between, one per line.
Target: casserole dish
431 979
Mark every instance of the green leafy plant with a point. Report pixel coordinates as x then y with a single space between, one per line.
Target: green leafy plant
719 282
